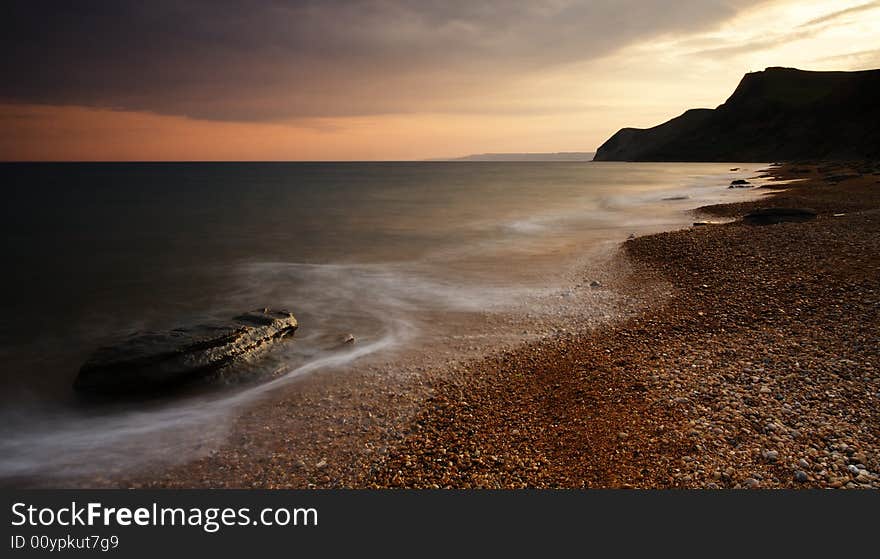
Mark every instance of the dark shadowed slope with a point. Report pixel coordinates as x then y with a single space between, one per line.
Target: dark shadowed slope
780 113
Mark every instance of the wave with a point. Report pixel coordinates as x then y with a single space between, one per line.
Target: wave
501 264
378 303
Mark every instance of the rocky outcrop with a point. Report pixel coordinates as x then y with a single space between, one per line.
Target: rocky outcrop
156 361
777 114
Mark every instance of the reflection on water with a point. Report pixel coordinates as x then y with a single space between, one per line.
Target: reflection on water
98 251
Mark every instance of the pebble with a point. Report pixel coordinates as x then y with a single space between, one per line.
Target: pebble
800 476
864 477
770 455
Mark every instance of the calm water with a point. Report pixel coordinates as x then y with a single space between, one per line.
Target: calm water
95 252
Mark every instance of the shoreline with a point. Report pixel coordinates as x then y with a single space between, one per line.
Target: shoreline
664 396
759 371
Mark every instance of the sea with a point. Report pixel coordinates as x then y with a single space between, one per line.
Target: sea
386 252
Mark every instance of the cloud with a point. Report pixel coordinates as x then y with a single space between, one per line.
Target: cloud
764 42
770 39
840 13
863 58
277 60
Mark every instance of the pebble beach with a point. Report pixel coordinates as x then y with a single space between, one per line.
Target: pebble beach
759 367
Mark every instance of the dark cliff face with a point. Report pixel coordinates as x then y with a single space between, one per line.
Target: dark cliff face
777 114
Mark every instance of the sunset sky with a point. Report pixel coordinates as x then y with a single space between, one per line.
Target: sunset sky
388 79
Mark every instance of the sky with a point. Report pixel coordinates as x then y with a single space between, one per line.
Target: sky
388 79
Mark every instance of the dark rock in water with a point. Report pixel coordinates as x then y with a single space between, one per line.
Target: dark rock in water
154 361
673 198
840 178
768 216
739 183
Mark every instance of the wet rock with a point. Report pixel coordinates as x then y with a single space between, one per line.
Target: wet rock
769 216
156 361
739 183
348 339
840 178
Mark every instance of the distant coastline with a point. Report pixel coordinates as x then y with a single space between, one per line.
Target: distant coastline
558 156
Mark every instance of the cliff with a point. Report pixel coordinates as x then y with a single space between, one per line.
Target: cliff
777 114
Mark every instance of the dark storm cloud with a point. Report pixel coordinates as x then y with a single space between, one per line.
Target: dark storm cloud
274 59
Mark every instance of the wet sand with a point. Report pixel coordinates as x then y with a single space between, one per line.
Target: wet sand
728 356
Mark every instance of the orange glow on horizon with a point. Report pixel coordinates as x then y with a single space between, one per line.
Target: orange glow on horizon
73 133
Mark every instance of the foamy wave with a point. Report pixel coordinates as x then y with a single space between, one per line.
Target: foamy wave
68 444
377 302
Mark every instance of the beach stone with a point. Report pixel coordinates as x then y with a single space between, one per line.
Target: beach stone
769 216
148 362
864 477
770 455
841 178
800 476
739 183
751 483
